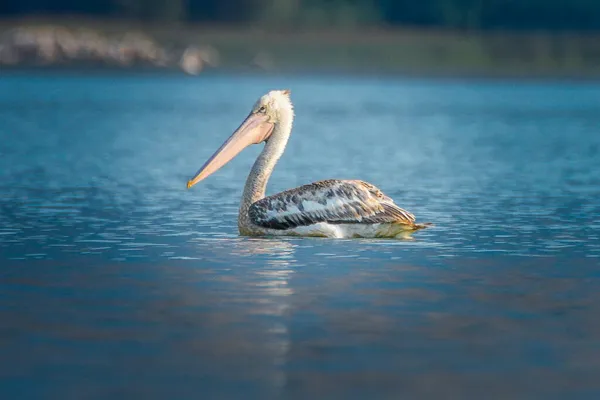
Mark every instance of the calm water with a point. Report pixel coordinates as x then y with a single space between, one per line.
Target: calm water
116 281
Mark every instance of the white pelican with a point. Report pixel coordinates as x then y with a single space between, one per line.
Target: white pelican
331 208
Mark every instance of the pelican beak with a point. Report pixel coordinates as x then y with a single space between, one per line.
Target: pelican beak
255 129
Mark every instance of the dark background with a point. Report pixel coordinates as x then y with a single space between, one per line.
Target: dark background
548 15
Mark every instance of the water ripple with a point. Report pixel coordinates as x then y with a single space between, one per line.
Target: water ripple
110 265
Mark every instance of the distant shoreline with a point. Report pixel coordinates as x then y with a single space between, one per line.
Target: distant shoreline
140 72
403 52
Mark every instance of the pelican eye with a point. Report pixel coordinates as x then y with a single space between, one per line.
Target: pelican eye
262 109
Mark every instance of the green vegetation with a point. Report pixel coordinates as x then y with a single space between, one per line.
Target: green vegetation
548 15
448 37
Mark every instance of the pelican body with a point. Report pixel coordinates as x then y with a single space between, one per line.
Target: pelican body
332 208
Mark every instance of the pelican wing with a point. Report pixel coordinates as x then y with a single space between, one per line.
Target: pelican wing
331 201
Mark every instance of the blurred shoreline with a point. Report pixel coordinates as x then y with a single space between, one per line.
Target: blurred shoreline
84 44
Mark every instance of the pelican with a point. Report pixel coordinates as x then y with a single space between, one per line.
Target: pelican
331 208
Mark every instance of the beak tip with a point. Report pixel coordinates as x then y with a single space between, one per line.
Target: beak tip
189 184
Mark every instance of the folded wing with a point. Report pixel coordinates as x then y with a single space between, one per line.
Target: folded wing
332 201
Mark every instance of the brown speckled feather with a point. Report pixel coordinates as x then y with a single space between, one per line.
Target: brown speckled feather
332 201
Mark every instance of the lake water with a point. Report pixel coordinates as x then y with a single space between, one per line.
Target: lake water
116 281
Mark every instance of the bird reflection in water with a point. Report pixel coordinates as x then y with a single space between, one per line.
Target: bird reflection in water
273 283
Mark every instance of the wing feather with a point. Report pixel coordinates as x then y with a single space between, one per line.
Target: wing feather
332 201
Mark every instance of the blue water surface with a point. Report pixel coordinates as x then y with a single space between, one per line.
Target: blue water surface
116 281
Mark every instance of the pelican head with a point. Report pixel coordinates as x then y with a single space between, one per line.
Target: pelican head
258 127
